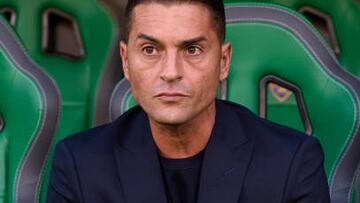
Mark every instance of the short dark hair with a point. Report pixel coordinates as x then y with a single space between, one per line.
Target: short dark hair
216 8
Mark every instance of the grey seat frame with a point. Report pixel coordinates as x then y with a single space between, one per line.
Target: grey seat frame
33 165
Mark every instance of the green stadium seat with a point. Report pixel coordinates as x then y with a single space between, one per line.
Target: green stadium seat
340 32
29 117
76 43
337 21
276 45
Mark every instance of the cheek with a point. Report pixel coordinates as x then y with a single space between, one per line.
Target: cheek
137 81
212 84
207 83
205 73
142 82
137 71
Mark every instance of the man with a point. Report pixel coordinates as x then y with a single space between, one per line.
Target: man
180 144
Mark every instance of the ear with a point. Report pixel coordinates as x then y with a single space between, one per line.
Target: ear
226 53
124 59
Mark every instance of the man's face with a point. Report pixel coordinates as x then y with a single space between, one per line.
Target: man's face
174 61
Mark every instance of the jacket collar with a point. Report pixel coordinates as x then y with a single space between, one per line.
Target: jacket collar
226 158
224 166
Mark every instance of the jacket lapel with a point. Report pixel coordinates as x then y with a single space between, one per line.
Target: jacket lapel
224 166
137 162
226 160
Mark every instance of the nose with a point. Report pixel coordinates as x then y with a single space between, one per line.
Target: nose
171 68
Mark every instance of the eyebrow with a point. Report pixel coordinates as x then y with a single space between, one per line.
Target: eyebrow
192 41
182 43
147 37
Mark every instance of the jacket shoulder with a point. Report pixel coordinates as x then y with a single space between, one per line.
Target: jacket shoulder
282 155
104 135
263 131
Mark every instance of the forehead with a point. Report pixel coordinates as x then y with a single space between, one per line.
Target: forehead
177 20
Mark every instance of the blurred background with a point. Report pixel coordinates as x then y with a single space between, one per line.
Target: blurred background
275 72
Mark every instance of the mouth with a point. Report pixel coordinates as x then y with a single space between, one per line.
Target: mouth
170 96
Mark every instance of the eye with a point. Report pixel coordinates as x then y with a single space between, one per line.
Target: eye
149 50
193 50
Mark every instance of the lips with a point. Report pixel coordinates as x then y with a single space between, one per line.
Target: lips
170 96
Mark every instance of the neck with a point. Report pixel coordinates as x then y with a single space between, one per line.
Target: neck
187 139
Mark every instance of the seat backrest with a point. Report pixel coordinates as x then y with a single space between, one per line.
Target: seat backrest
272 44
121 99
275 44
29 114
76 43
340 31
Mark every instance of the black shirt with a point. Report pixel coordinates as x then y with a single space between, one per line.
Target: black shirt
181 177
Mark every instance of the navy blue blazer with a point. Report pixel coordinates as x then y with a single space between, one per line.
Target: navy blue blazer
247 160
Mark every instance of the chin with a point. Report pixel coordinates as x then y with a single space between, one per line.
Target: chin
170 118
